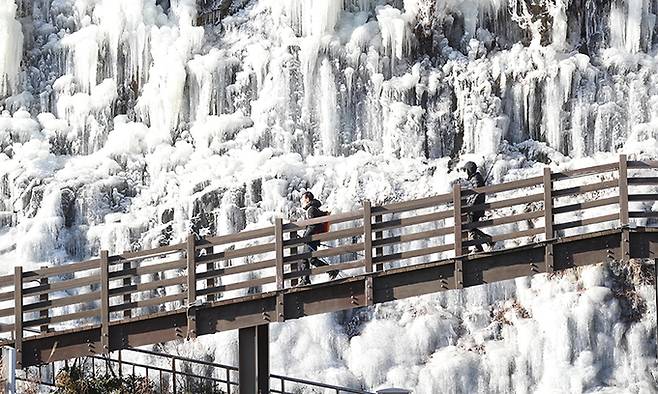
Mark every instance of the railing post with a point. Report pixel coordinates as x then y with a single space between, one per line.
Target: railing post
623 208
18 315
548 219
105 302
367 245
280 283
191 285
459 250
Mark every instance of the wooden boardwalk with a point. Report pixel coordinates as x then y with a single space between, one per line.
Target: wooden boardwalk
541 224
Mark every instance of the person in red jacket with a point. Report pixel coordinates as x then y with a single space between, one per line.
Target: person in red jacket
312 208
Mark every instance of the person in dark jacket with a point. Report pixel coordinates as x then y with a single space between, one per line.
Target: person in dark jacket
475 180
312 208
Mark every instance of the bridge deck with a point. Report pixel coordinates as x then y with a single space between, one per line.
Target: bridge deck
541 224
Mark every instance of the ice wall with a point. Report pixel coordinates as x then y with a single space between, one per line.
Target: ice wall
124 126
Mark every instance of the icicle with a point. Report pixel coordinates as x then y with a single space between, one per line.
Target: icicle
11 48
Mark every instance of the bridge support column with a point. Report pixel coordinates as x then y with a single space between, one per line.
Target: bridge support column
254 363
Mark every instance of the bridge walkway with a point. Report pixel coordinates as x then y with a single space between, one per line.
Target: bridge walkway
247 280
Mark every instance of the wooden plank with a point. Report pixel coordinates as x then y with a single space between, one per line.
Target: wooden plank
645 164
397 239
326 268
69 268
643 214
585 171
63 285
585 222
237 269
411 221
278 239
148 269
623 191
503 187
508 202
504 220
405 206
63 301
190 255
586 188
6 312
643 180
105 302
237 253
643 197
585 205
18 315
335 218
7 296
507 236
6 280
148 302
237 237
63 318
335 251
408 254
142 254
139 287
330 236
238 285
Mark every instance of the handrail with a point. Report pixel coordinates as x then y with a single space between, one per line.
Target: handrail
265 259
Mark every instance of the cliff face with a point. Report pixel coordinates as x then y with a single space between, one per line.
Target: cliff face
124 126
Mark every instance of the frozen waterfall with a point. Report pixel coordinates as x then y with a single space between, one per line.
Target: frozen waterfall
124 126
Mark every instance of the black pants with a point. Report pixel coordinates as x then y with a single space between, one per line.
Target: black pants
476 233
314 261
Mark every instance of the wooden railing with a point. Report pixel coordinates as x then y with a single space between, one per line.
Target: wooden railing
371 239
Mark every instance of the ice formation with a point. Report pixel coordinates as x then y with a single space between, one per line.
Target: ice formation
123 126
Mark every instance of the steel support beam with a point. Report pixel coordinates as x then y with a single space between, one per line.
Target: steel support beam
254 363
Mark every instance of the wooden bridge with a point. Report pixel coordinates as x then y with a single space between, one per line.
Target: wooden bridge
247 280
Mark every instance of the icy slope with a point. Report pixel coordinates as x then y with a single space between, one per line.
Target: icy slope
125 126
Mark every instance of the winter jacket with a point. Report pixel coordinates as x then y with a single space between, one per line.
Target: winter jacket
474 181
313 211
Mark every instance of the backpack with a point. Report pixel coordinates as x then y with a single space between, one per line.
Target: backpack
325 225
